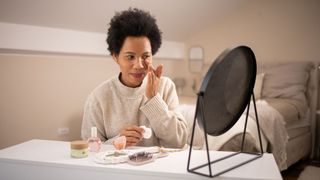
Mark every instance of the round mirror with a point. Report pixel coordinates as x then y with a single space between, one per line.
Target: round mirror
226 90
196 59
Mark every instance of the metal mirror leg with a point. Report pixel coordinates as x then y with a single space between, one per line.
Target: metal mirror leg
209 163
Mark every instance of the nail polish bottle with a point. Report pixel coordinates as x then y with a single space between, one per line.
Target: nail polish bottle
94 141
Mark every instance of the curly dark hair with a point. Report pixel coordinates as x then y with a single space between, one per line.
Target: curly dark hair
132 22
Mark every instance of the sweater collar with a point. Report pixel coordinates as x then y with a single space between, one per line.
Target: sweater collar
129 91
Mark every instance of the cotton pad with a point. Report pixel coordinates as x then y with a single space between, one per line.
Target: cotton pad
147 132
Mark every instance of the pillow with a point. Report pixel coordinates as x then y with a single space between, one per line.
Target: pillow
286 81
258 86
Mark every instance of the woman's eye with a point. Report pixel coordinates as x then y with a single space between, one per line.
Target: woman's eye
145 57
130 57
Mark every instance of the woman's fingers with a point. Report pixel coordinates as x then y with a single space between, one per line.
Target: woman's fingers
153 82
150 85
147 63
133 134
150 68
132 141
133 131
159 70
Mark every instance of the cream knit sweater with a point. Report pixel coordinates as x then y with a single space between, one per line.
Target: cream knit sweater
112 106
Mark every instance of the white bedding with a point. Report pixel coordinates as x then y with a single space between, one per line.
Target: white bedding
272 127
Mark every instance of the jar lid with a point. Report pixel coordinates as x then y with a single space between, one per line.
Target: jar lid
79 144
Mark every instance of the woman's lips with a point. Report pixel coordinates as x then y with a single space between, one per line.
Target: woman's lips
138 75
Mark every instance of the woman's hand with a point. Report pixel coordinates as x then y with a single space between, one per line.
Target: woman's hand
133 135
153 80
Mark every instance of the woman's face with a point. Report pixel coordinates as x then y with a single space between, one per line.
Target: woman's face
131 59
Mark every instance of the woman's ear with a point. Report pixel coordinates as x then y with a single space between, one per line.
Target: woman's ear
115 58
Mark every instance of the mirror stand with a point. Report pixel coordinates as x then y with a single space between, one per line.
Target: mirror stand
200 104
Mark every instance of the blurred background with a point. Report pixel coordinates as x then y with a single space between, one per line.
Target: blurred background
53 53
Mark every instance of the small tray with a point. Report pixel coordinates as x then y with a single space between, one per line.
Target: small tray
111 157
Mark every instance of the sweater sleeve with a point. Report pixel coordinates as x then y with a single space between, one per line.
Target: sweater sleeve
92 116
166 121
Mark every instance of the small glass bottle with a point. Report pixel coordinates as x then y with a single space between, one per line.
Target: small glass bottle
94 141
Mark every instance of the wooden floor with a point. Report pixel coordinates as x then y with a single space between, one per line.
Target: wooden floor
293 172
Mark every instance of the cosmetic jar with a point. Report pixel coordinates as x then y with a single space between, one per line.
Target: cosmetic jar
79 149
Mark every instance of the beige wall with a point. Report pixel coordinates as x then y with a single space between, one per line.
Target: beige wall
276 30
41 93
286 30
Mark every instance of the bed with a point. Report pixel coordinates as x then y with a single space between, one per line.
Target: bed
286 98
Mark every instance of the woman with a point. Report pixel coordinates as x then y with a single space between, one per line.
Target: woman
139 95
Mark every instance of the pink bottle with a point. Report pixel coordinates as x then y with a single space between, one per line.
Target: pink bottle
94 141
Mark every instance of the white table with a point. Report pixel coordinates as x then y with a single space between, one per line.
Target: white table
43 159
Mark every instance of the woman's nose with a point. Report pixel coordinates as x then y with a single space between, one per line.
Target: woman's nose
139 63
